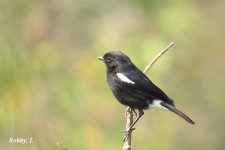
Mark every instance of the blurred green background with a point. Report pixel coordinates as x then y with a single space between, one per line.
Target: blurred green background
53 89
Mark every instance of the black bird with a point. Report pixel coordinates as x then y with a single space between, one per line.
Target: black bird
133 88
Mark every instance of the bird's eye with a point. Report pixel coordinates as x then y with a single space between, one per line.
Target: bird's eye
108 59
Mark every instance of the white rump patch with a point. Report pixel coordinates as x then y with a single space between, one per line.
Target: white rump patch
124 78
156 104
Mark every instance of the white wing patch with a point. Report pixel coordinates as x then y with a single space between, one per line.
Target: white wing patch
156 104
123 78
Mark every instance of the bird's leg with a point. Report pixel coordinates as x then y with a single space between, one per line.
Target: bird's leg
140 114
135 113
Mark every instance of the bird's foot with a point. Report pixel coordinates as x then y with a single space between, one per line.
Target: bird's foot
127 111
127 132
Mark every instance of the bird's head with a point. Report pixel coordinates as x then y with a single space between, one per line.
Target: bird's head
115 61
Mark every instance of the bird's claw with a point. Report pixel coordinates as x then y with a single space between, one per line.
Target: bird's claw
132 111
126 111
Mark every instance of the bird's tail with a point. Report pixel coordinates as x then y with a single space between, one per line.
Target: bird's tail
178 112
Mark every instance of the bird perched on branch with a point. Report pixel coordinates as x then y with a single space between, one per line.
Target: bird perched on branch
133 88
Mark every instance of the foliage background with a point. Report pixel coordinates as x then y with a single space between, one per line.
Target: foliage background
53 89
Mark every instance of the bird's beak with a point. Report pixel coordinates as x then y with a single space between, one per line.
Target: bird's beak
101 58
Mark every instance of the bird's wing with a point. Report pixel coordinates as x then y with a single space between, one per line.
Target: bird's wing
137 82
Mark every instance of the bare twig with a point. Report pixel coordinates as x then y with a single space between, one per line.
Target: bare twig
147 68
129 111
129 116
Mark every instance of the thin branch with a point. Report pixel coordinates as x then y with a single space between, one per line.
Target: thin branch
129 116
129 111
147 68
